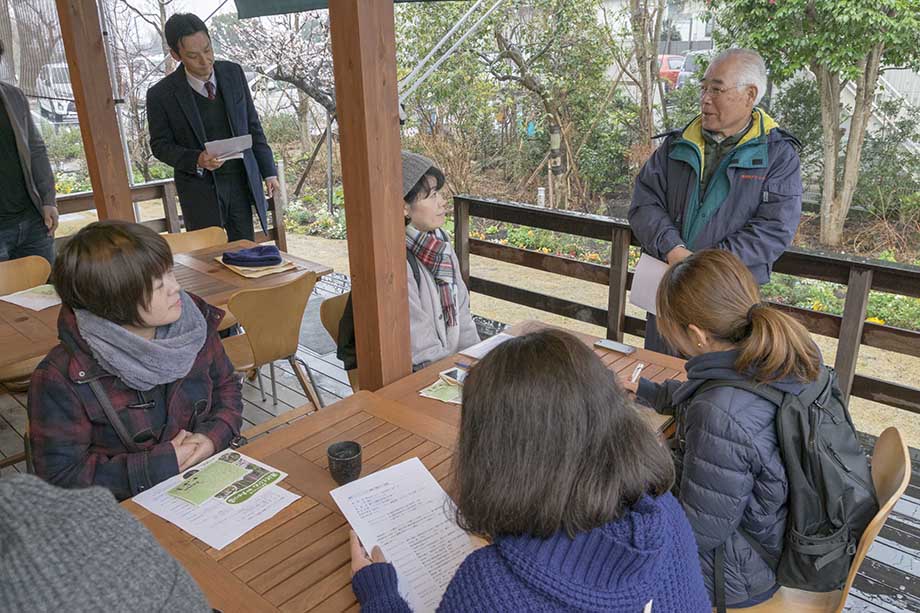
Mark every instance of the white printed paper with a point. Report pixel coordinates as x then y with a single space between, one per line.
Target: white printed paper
35 298
230 513
229 148
404 511
646 279
480 349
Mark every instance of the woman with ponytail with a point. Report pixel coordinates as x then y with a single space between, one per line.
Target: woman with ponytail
731 482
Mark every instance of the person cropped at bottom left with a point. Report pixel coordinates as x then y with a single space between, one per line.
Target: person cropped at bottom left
77 551
557 468
139 387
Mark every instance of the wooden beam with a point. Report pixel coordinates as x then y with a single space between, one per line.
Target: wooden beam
462 238
81 31
364 63
619 274
851 328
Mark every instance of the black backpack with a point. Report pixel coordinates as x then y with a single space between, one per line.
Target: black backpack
831 496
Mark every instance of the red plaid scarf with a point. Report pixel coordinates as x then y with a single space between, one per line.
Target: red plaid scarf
434 254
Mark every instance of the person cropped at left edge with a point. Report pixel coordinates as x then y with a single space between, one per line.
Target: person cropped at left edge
139 387
206 100
28 211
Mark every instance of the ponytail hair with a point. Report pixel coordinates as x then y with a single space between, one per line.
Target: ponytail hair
715 291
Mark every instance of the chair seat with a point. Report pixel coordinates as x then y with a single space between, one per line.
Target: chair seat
239 352
18 375
787 599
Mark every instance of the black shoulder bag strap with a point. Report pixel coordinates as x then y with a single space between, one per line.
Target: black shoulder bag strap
413 263
718 567
126 439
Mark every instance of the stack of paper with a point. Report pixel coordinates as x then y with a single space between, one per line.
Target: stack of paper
404 511
35 298
479 350
220 499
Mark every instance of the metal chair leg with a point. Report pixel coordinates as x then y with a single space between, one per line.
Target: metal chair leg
307 383
271 370
261 385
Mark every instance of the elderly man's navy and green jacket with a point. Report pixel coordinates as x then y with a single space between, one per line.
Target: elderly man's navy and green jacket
751 207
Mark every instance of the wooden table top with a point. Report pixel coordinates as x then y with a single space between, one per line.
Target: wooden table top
658 367
299 560
27 334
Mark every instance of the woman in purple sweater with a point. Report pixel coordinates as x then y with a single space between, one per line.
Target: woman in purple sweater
560 472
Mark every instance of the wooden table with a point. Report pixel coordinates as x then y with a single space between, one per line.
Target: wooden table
27 334
299 560
658 367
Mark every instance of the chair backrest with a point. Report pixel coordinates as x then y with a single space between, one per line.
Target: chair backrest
890 476
271 317
330 313
183 242
23 273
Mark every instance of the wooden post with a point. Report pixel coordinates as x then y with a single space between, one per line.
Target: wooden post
364 63
851 328
616 298
84 46
462 237
171 207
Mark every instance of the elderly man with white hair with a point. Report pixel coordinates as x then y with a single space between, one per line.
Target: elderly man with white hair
729 180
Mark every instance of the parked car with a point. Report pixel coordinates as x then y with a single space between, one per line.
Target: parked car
693 62
669 68
55 94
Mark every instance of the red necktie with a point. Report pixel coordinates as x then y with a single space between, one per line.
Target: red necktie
210 88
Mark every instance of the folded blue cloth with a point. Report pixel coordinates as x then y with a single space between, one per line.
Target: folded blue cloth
263 255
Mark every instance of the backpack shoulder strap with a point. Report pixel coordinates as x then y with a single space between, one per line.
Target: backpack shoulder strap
413 263
764 391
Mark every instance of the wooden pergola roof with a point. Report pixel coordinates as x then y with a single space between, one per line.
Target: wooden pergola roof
364 62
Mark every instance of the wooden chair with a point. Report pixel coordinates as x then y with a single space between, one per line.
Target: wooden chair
890 475
16 276
183 242
271 318
330 313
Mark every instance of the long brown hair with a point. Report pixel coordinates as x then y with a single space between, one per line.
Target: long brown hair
549 442
715 291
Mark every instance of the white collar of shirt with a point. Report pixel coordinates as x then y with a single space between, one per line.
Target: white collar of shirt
198 85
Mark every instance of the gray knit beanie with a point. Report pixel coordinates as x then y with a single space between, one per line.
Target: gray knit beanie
77 550
414 167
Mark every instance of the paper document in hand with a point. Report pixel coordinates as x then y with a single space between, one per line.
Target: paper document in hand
35 298
646 279
404 511
229 148
223 504
479 350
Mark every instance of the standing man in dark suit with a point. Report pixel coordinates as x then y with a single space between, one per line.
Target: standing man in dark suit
205 100
28 212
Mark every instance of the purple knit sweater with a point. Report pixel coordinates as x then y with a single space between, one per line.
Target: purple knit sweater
647 555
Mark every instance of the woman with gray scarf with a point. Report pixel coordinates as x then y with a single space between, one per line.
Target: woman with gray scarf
139 387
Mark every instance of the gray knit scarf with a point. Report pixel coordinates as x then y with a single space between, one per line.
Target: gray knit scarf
140 363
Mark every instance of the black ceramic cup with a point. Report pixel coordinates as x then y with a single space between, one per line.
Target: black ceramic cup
344 461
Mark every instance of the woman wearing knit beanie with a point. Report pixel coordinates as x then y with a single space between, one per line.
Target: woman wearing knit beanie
440 323
560 472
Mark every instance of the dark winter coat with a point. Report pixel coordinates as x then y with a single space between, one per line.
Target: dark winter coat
733 475
73 443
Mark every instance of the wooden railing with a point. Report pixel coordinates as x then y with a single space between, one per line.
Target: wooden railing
165 191
858 274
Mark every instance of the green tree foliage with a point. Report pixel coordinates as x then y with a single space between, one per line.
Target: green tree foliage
840 41
531 64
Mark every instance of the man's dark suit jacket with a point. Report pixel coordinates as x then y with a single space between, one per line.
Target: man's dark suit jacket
177 137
